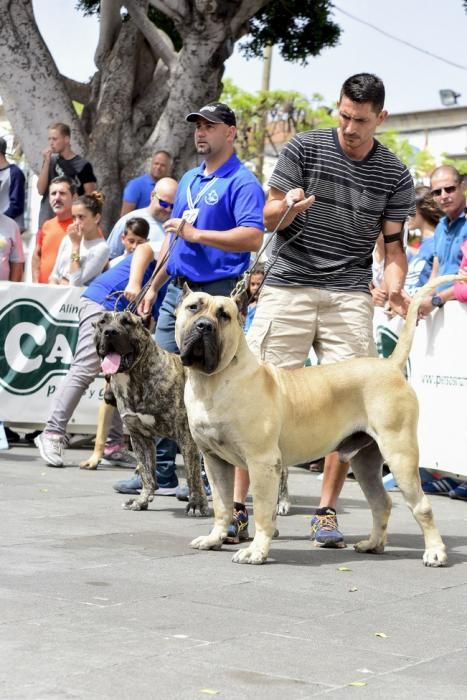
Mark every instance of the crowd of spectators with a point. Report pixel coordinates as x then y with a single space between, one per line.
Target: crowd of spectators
221 206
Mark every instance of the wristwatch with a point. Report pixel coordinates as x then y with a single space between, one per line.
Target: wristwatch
437 301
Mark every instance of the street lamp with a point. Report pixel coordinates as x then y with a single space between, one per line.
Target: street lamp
448 97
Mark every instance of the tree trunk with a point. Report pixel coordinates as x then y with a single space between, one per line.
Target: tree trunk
140 95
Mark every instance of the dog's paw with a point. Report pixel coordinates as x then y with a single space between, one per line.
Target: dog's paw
369 547
90 463
435 556
206 542
197 508
135 504
283 506
250 555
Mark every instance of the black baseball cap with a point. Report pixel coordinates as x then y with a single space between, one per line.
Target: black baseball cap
215 112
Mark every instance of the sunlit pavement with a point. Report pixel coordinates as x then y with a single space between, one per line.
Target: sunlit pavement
99 602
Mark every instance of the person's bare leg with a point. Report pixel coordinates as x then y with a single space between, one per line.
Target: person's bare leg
334 475
241 485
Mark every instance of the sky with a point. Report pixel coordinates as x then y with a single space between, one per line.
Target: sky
412 78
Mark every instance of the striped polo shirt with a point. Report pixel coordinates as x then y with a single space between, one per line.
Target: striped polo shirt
339 231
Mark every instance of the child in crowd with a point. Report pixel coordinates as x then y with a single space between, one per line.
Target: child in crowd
254 283
83 253
136 232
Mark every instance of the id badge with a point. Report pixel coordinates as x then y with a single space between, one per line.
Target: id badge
190 215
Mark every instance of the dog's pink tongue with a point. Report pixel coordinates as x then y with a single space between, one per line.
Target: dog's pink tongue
111 363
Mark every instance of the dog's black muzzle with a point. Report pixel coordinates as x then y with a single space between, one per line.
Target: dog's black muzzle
200 346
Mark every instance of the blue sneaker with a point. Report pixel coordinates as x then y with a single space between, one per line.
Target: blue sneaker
324 530
439 487
131 486
459 492
183 491
238 529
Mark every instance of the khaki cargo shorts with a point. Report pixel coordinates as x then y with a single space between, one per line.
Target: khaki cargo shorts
290 321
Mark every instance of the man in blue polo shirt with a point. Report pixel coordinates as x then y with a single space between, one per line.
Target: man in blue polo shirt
221 203
447 189
137 192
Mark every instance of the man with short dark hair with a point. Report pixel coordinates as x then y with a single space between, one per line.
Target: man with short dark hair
137 192
61 194
447 189
12 183
60 160
221 205
338 188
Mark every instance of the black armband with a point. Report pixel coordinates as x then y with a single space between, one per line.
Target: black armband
392 237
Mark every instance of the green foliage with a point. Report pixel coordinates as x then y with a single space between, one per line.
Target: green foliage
400 147
460 165
272 117
299 29
424 163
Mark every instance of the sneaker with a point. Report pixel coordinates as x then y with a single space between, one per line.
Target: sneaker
439 487
238 529
134 485
51 448
131 486
183 490
324 530
118 458
166 491
459 492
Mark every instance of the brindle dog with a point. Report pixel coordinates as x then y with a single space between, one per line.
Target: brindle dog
148 384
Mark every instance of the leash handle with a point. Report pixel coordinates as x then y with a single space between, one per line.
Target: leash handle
133 305
241 286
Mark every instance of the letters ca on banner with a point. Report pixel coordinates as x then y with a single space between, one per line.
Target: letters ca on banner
39 333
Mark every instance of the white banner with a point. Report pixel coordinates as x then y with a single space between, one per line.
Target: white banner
39 328
38 333
438 373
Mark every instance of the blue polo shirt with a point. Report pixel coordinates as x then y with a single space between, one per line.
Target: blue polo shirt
231 197
107 288
138 191
449 237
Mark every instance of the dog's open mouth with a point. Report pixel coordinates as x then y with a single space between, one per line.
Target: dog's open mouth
113 362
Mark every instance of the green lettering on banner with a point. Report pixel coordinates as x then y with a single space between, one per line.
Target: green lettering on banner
36 346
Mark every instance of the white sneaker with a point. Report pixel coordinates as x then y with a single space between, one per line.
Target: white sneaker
51 449
165 491
119 458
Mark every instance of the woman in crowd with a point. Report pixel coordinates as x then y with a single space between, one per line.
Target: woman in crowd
83 253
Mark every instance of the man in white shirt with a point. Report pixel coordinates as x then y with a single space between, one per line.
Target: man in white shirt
158 211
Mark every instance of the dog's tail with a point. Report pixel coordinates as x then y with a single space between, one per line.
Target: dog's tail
402 349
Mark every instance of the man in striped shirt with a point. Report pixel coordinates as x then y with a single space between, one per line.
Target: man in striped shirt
343 188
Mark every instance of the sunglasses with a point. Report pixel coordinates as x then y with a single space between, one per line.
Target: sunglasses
449 190
164 203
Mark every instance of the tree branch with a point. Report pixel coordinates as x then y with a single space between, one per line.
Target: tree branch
245 12
79 92
175 9
109 26
157 40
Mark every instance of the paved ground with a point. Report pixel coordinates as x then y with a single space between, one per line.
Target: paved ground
97 602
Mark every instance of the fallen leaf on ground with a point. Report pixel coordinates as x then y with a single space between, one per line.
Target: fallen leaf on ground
344 568
358 684
381 634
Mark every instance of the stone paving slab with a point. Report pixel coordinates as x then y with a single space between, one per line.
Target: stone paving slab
98 602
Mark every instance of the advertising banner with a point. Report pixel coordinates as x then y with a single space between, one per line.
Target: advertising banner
38 334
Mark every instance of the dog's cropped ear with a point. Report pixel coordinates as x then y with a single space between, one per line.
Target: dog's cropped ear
186 290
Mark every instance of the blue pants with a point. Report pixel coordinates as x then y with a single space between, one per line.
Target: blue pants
165 338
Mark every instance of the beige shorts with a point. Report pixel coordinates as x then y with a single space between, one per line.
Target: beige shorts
290 321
